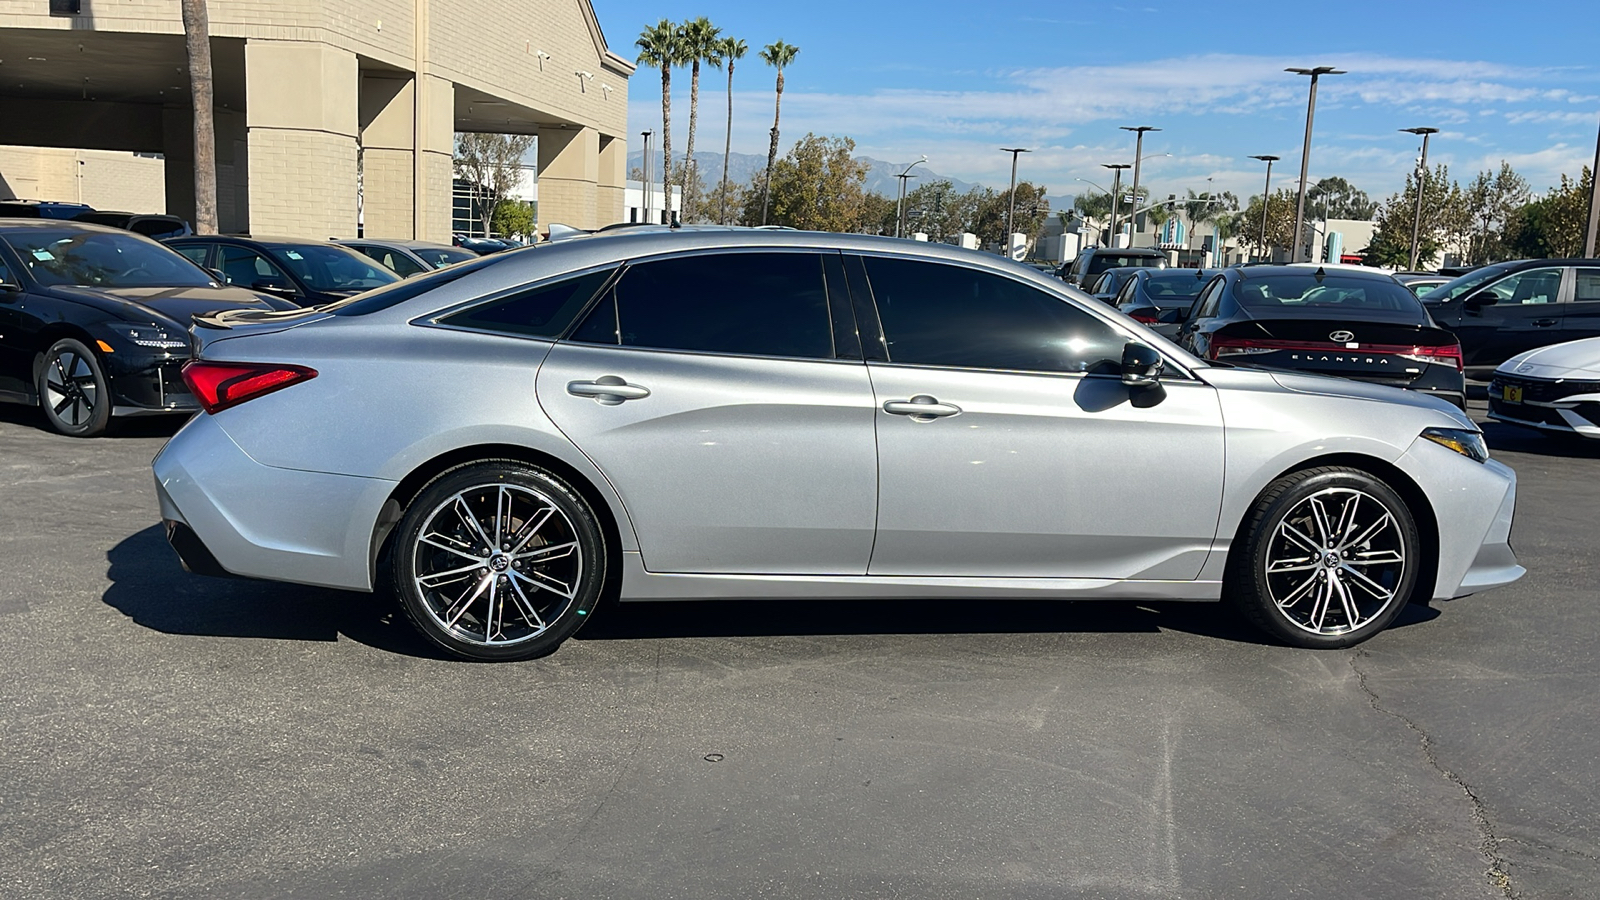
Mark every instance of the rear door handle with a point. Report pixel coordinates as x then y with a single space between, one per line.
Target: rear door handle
921 408
608 390
1545 323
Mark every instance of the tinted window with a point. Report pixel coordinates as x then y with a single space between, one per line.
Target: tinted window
246 267
5 274
1586 287
1205 306
1329 295
329 268
439 257
944 315
1528 287
1104 261
758 304
1174 288
195 252
403 265
401 291
1450 290
543 311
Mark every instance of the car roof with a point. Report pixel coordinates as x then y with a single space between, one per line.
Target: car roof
1303 269
265 241
389 242
17 224
1128 251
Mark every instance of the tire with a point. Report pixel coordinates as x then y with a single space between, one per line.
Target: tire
514 581
74 394
1327 558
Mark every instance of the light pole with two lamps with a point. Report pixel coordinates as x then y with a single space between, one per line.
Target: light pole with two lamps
900 202
1138 150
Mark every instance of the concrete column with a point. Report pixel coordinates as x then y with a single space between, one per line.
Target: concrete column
303 116
434 144
387 129
609 205
569 176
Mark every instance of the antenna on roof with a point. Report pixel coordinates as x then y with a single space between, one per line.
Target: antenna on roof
1319 275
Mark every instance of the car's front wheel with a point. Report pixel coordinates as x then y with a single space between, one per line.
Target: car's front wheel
1329 557
499 560
73 392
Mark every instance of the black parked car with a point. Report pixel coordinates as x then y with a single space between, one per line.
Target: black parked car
1160 298
42 209
306 273
94 322
1501 310
1344 322
1106 285
408 258
151 225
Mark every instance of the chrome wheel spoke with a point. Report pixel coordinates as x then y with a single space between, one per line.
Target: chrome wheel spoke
549 552
465 603
545 583
435 579
530 528
469 519
1329 559
446 544
529 614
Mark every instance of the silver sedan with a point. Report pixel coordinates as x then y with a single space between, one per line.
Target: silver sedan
714 413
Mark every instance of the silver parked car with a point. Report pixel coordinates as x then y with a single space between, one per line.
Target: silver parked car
720 413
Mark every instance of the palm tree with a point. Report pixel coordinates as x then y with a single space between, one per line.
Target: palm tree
197 38
776 55
731 49
661 45
700 44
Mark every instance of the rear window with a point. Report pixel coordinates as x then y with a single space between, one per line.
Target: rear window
1292 294
1103 261
1177 285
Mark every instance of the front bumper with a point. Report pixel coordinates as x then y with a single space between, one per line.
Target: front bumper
259 521
1473 505
1572 407
148 385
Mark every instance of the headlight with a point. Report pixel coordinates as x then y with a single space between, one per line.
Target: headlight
148 336
1467 443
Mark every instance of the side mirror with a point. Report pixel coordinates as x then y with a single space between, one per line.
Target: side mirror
9 287
219 275
1141 365
1479 300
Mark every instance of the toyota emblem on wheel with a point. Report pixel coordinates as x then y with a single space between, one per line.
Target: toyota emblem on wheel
1342 337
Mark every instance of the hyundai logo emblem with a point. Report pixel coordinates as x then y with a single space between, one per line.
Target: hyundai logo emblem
1342 337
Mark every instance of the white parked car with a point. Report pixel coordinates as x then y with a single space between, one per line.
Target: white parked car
1554 388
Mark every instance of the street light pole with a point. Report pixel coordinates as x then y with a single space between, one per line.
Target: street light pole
1305 154
1138 152
1422 182
1011 208
644 169
1116 194
1591 237
899 203
1266 198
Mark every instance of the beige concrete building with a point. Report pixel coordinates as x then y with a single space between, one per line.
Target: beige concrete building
104 179
316 97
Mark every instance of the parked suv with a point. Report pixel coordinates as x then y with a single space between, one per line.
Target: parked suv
1098 259
1509 308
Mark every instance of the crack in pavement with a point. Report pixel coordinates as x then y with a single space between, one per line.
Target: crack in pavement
1489 847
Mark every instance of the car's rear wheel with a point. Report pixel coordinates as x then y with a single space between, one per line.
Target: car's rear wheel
1329 557
73 392
499 560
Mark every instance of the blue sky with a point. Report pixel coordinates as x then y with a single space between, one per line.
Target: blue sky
958 80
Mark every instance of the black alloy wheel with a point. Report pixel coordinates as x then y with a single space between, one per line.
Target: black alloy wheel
73 392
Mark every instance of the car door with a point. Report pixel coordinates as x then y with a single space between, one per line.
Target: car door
1526 313
1581 316
18 324
1009 446
724 397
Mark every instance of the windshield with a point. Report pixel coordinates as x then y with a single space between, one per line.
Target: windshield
1175 287
1467 283
1104 261
68 256
329 268
439 257
1331 295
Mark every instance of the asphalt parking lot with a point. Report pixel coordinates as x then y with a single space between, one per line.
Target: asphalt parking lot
168 735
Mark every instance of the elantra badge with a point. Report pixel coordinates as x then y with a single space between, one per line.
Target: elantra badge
1342 337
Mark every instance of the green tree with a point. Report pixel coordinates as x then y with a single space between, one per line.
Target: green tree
1280 208
732 49
1335 198
1492 201
513 218
491 165
1032 210
816 187
700 42
777 55
877 214
1093 205
1553 226
661 45
1441 201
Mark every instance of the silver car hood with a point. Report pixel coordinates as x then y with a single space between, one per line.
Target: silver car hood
1574 359
1328 386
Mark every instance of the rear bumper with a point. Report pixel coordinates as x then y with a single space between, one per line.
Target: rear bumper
227 514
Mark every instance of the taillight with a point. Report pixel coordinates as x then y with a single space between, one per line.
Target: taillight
1144 317
1445 355
219 385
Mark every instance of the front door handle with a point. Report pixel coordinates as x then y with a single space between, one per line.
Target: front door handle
608 390
921 408
1545 323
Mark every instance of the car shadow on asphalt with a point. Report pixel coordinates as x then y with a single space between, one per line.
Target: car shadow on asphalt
149 586
1515 439
162 426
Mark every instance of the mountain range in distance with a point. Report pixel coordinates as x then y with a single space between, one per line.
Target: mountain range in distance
742 167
